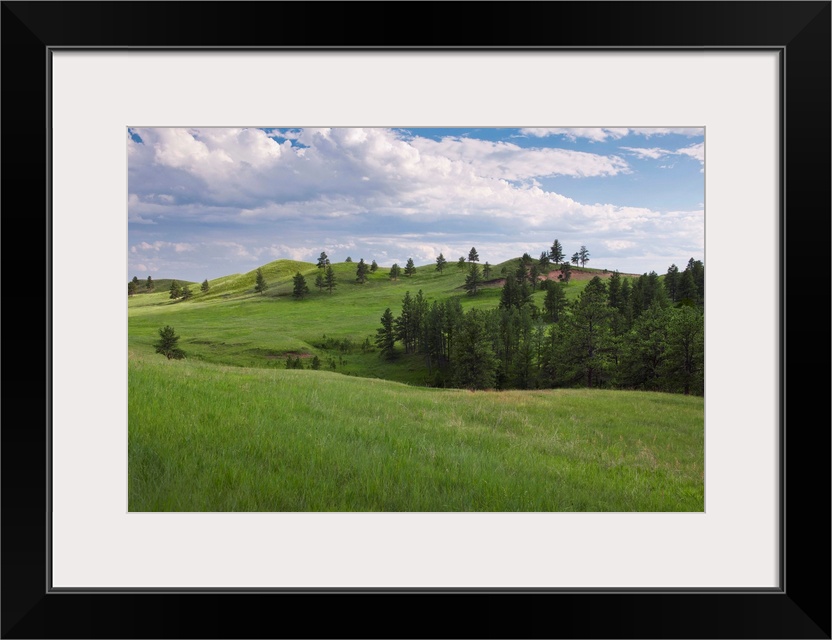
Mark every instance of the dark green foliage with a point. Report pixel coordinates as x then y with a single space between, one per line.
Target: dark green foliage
589 333
316 363
473 256
409 268
260 285
330 280
576 258
175 290
684 365
385 336
299 288
556 254
374 267
361 272
671 283
687 288
319 282
614 290
583 256
149 284
543 262
514 294
186 292
473 281
293 363
554 303
440 263
460 264
205 286
474 361
395 271
348 259
486 271
131 289
323 260
167 344
135 280
565 273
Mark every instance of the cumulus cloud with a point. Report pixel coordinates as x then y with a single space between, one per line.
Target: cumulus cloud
695 151
611 133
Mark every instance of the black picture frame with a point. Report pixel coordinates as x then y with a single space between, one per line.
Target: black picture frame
799 608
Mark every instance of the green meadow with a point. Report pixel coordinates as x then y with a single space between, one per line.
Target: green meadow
229 428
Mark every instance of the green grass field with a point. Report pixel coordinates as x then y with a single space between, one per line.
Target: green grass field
229 429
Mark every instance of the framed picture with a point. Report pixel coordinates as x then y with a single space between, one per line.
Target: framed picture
754 76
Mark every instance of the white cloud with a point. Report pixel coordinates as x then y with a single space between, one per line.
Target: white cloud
596 134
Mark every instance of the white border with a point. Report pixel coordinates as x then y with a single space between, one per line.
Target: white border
98 544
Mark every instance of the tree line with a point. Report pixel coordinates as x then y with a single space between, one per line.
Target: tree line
630 333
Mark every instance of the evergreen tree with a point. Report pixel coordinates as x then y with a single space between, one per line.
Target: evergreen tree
149 284
374 267
473 280
385 337
323 260
486 271
329 279
473 256
556 254
186 292
643 349
409 268
395 271
685 354
576 258
589 333
319 282
135 281
299 288
614 290
440 263
175 290
131 289
205 286
583 256
361 271
565 273
167 344
671 282
460 264
687 288
473 360
543 262
316 363
260 285
348 259
555 302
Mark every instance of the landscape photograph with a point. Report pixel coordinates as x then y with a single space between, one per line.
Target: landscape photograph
416 319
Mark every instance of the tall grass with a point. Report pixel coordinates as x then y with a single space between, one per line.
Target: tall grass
205 437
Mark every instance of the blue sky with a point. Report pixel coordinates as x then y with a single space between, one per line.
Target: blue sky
205 203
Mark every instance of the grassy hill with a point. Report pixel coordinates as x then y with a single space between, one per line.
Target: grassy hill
230 429
209 438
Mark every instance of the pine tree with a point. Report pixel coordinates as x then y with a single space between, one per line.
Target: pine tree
440 263
131 289
543 262
486 271
299 288
671 282
614 287
576 258
186 293
175 290
205 286
316 363
473 280
555 302
395 271
361 271
473 256
385 337
149 284
348 259
409 268
473 359
565 273
167 344
330 279
135 281
319 282
556 254
460 264
323 260
374 267
583 256
260 285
